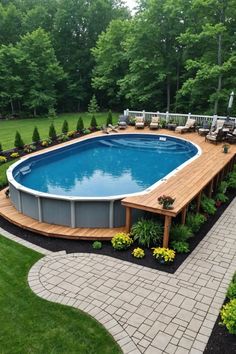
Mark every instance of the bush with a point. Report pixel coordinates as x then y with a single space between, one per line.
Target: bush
62 138
221 197
29 148
19 143
71 134
93 123
180 246
46 142
97 245
65 127
180 233
194 221
3 159
208 205
222 188
109 118
163 255
14 155
232 180
231 292
80 125
138 253
228 316
52 132
147 232
36 136
86 131
121 241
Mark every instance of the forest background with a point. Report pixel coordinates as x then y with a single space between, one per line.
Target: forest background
174 55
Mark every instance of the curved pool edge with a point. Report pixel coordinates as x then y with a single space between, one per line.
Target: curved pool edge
79 211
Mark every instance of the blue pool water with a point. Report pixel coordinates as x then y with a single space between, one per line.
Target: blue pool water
104 166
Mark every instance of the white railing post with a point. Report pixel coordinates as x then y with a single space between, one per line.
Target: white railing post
144 115
167 117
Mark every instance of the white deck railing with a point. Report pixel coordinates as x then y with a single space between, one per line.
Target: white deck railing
178 118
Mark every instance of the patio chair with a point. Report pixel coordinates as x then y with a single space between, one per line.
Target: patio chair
205 129
104 129
231 137
189 126
154 122
139 122
113 128
215 136
123 122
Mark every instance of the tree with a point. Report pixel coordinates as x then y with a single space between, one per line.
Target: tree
80 125
93 123
18 141
111 62
52 132
109 118
65 127
93 106
36 136
40 70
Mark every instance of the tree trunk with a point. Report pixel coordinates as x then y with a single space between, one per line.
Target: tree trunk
35 112
219 62
12 107
168 94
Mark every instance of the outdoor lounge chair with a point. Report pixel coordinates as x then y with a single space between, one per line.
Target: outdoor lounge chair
113 128
122 123
104 129
139 122
215 136
154 122
189 126
205 129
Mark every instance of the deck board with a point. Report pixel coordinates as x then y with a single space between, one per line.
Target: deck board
185 185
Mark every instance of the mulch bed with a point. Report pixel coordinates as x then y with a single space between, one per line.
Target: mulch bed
220 341
71 246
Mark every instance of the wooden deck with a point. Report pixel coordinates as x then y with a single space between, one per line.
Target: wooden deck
185 185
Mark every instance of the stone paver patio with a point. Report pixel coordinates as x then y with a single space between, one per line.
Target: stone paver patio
147 311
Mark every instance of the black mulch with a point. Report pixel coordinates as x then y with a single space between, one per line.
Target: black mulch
221 341
71 246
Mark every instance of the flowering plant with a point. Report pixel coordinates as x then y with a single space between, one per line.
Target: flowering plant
166 201
138 252
121 241
163 255
3 159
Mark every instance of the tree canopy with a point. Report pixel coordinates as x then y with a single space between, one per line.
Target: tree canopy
175 55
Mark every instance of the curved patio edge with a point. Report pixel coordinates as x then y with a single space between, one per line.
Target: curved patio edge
104 318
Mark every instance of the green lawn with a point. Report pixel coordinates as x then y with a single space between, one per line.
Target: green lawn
32 325
25 126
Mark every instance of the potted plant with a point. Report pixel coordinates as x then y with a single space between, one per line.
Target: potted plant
225 148
166 201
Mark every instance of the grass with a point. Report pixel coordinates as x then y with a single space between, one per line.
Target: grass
3 177
25 126
30 324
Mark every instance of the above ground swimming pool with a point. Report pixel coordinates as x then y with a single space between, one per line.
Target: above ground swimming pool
81 184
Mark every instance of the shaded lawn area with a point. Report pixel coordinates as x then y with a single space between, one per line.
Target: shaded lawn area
30 324
8 128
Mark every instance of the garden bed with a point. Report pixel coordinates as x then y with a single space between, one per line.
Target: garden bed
220 341
71 246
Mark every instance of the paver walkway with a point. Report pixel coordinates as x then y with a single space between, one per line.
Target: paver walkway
147 311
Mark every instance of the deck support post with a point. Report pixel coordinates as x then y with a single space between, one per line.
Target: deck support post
210 190
199 197
128 219
166 230
183 215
